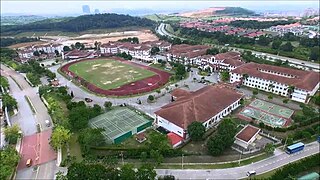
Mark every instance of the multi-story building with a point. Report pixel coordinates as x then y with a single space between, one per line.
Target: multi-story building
207 105
297 85
222 62
186 54
140 51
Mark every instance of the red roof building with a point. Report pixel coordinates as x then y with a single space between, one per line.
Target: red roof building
247 136
207 105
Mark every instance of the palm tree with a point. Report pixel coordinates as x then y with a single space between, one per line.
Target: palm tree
243 78
270 87
290 90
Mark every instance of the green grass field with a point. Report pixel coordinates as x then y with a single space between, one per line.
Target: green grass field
109 74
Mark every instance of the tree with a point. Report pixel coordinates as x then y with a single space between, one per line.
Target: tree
287 47
244 78
66 48
77 45
154 50
12 134
107 105
87 171
90 138
196 131
276 44
36 53
255 91
4 82
60 137
9 160
223 139
269 148
157 156
9 102
151 98
127 172
146 172
212 51
315 53
225 76
78 118
60 176
180 71
263 41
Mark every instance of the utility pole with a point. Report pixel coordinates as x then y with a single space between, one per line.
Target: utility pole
285 142
240 158
182 161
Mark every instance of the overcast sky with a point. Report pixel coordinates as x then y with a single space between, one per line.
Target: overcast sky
75 7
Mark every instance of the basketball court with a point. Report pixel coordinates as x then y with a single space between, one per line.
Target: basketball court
268 113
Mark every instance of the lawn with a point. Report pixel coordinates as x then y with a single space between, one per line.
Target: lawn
109 74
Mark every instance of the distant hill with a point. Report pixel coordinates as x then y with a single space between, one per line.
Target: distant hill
19 20
80 23
212 11
235 11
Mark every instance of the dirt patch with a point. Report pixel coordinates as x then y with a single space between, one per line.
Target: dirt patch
202 13
22 45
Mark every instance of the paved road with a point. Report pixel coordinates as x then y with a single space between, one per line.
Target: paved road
25 118
276 161
271 57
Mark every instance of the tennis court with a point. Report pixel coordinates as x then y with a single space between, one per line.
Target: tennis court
268 113
120 124
272 108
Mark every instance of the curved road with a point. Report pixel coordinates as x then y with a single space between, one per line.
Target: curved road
295 62
278 160
27 121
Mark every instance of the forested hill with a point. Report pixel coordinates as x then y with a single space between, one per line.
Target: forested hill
80 23
235 11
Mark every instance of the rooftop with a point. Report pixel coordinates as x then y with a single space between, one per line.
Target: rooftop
200 105
306 80
247 133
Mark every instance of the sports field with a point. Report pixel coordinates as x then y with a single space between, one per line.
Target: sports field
109 74
119 124
268 113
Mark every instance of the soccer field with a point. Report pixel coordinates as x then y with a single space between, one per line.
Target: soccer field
109 74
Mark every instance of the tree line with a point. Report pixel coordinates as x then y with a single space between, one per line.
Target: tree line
254 24
4 42
81 23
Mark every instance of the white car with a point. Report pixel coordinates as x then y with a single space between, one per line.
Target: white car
47 122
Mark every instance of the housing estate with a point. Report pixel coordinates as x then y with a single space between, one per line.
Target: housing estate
49 50
207 105
298 85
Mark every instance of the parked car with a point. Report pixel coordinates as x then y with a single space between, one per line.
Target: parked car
88 100
47 123
29 162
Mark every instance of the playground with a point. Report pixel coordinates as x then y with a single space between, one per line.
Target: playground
268 113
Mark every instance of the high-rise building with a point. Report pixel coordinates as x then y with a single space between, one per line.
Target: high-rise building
86 9
96 11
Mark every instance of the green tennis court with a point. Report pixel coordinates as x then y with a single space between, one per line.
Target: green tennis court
120 124
272 108
264 117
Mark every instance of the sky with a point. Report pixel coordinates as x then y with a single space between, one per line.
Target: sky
75 7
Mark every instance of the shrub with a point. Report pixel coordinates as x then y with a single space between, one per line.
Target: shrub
151 98
255 91
285 101
270 97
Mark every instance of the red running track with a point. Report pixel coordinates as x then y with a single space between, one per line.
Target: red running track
140 86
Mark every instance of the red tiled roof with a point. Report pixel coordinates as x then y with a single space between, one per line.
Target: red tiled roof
178 93
200 105
306 80
234 61
247 133
174 138
230 54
